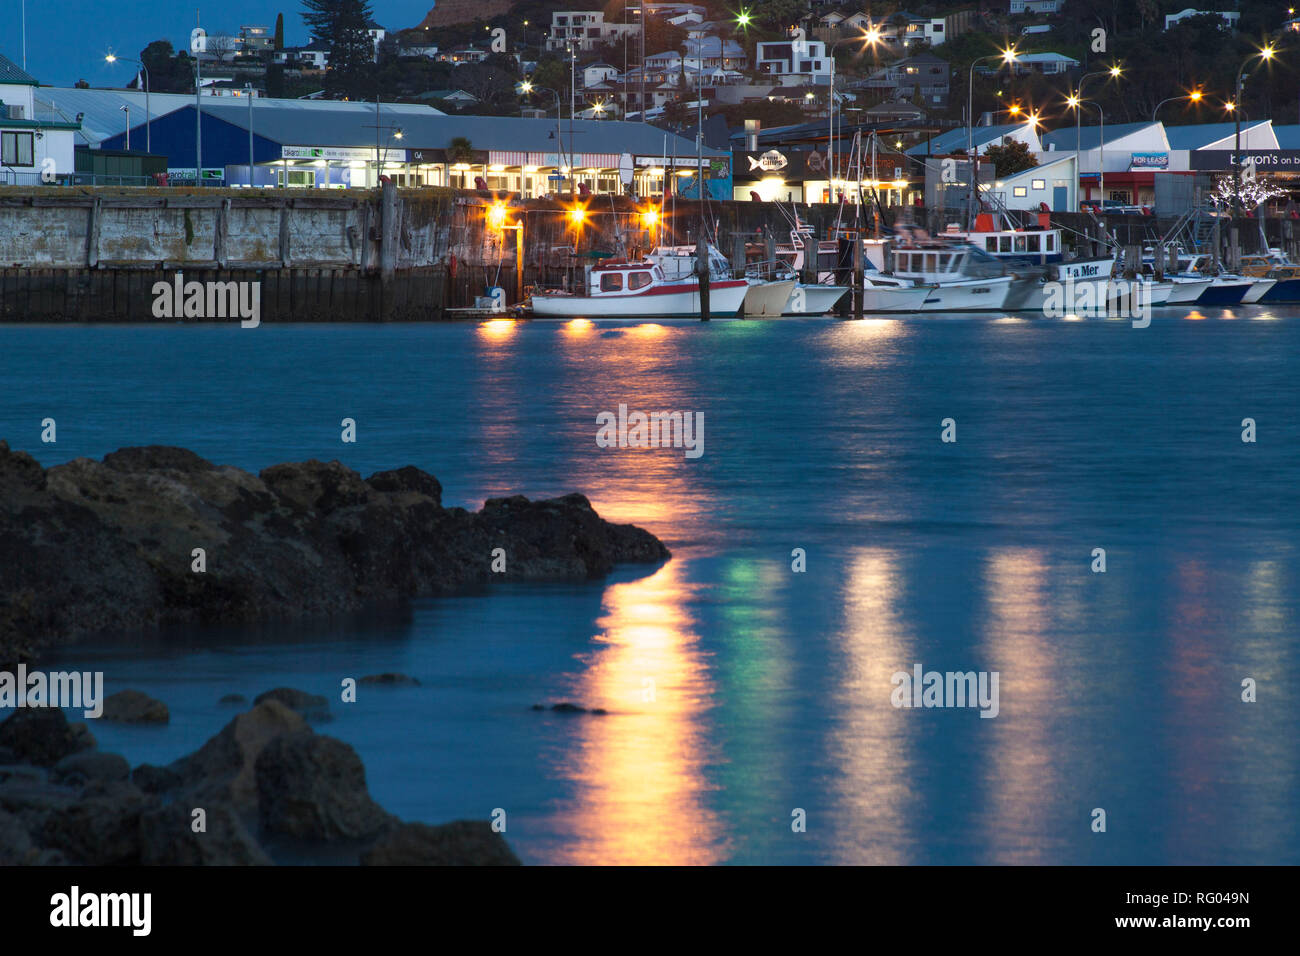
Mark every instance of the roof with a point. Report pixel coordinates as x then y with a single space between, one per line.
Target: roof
1288 137
1089 136
1199 135
103 116
12 73
954 140
1045 58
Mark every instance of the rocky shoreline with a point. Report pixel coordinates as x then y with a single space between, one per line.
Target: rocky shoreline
266 790
158 536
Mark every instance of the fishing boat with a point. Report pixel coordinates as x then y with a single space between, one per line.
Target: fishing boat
960 276
1284 274
639 289
1040 245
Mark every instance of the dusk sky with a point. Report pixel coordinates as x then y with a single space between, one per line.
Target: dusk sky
67 41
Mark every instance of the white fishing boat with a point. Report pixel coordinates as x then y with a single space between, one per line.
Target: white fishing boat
1186 288
639 289
1063 289
960 277
882 293
766 297
1040 245
810 298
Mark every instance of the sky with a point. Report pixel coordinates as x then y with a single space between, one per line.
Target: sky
67 40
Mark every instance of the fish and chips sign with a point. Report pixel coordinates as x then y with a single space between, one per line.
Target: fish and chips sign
789 164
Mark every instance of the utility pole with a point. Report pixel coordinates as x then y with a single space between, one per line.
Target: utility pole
249 88
198 114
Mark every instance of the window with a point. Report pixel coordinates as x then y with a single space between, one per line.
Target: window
1005 244
638 280
1020 244
1019 191
1039 183
1033 243
611 282
16 149
991 243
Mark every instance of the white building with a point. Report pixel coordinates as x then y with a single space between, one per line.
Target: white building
794 62
1047 63
32 151
1229 17
599 74
585 30
1052 183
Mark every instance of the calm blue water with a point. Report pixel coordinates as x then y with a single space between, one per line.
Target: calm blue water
738 689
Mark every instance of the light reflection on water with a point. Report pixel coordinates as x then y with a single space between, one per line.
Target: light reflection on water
771 690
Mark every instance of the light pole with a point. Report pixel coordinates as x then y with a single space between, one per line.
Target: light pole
1073 100
1101 149
1007 56
526 87
1195 96
1264 54
127 111
148 141
870 37
249 88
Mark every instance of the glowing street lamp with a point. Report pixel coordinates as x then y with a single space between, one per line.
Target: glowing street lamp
1074 100
1007 56
1265 55
1195 96
148 141
743 19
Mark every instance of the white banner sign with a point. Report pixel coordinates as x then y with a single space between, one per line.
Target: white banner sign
342 153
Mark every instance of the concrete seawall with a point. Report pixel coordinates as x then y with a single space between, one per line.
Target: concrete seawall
83 255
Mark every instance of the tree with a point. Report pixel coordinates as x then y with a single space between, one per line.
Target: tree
279 31
222 46
341 25
1011 157
460 150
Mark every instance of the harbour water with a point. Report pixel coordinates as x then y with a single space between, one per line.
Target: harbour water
739 690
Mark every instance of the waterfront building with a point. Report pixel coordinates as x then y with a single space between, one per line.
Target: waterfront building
34 148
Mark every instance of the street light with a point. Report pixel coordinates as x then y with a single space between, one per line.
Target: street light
148 141
1073 100
1265 54
870 37
1007 56
127 110
527 87
1077 103
1195 96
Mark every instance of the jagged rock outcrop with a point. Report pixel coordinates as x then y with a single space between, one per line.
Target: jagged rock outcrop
115 544
270 790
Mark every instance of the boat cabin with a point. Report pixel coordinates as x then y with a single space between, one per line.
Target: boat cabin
944 262
613 277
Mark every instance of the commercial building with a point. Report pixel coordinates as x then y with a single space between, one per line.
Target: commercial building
332 144
34 148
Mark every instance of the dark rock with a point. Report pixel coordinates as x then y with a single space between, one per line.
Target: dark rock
103 827
233 699
153 779
167 838
16 847
81 768
314 787
564 707
311 706
407 479
40 735
225 765
460 843
135 707
298 540
392 679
